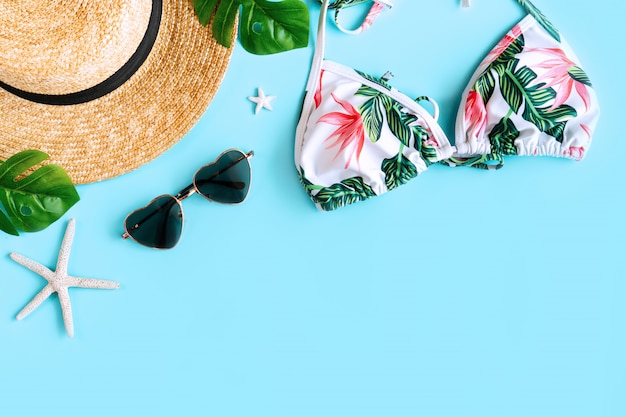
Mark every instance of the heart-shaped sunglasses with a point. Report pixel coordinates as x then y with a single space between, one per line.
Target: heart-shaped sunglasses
160 223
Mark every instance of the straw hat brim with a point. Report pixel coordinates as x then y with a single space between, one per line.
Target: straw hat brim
135 123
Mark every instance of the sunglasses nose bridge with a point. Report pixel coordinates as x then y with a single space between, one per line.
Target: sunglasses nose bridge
186 192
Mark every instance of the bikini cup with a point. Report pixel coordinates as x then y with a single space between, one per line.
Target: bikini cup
358 137
529 96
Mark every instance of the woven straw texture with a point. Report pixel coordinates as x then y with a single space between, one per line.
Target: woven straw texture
128 127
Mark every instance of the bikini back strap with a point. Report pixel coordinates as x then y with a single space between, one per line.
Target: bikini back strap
539 17
377 7
532 10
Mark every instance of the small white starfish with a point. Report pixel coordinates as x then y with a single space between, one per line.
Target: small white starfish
261 100
59 281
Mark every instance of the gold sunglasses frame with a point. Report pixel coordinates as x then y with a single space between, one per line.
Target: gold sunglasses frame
188 191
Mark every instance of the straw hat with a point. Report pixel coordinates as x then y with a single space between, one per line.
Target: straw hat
103 86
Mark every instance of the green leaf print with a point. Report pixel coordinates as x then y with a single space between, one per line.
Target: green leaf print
557 131
308 185
485 86
374 80
502 137
579 75
514 48
372 116
346 192
518 92
398 170
367 91
396 125
421 135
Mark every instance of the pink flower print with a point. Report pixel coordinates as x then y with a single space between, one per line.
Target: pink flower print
475 116
317 97
558 77
574 152
350 130
371 16
508 39
586 129
431 141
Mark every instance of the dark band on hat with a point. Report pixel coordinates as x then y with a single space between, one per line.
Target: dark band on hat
110 84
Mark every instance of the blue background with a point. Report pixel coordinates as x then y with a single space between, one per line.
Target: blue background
462 293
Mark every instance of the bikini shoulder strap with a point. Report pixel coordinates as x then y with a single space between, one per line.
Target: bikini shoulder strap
377 7
532 10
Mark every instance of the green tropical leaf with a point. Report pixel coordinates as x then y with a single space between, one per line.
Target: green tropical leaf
398 170
429 154
512 91
346 192
557 131
225 17
509 53
524 75
579 75
372 116
375 80
266 27
502 137
396 124
6 225
367 91
485 85
539 95
33 199
559 115
308 185
419 133
535 99
204 10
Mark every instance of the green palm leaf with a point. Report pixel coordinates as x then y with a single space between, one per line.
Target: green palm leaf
346 192
557 131
485 85
502 137
398 170
561 114
512 91
33 199
396 124
266 27
518 92
509 53
372 116
375 80
579 75
367 91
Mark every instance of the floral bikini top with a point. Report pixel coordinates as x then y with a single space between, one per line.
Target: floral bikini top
358 137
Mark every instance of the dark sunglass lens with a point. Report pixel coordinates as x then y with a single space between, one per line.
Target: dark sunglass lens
158 225
226 180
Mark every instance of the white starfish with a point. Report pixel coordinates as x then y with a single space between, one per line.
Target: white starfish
261 100
59 281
